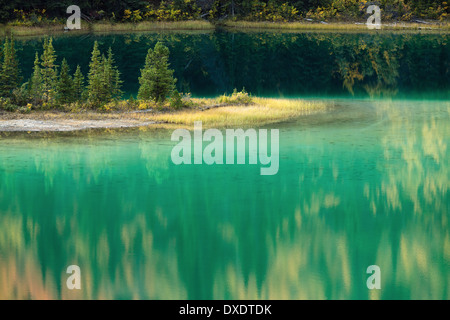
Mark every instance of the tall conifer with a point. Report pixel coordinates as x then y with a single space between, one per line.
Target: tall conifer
49 71
156 81
78 84
65 84
35 83
9 71
95 83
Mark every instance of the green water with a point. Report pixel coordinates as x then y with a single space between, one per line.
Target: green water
366 183
394 65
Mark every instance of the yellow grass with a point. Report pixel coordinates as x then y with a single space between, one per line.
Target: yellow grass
103 26
148 26
106 27
264 111
286 26
30 31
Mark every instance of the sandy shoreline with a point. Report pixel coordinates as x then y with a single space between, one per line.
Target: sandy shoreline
262 111
28 125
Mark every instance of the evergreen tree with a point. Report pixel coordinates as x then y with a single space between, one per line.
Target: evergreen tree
78 85
1 56
35 83
49 71
106 76
9 72
116 85
114 77
65 84
156 80
103 78
176 102
95 77
111 78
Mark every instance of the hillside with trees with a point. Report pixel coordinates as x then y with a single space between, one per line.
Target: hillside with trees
36 12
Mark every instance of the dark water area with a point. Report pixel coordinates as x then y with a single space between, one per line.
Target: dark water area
267 64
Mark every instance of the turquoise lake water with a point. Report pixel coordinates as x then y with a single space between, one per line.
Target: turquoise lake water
365 183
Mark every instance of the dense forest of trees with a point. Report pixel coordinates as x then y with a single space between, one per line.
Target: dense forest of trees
38 11
52 86
410 65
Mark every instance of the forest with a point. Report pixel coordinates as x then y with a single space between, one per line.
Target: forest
36 12
53 86
210 65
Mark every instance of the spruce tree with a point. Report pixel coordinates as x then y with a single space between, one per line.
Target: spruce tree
65 84
103 78
114 77
78 85
156 80
111 78
9 72
95 77
49 71
144 92
116 85
1 56
35 83
106 76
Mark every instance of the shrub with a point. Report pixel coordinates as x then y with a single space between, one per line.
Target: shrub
187 102
34 17
175 100
272 11
236 97
165 11
7 105
25 109
20 96
339 9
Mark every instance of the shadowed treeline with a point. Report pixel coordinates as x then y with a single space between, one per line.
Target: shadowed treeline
272 64
364 184
38 12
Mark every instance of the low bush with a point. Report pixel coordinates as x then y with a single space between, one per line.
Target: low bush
236 97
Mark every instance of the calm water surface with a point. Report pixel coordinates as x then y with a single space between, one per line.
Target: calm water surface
365 183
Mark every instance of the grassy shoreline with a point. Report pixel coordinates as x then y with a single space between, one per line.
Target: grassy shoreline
202 25
101 26
334 26
260 112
